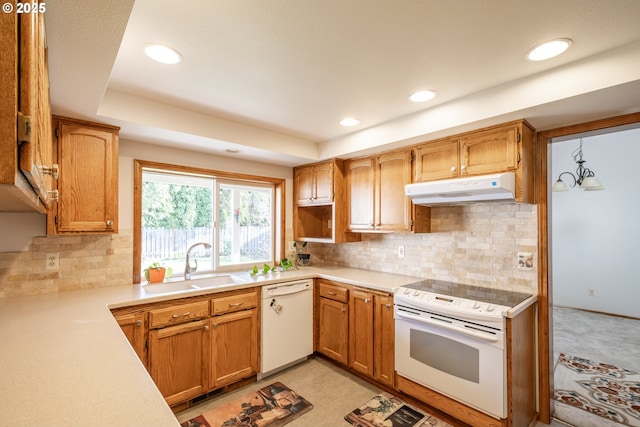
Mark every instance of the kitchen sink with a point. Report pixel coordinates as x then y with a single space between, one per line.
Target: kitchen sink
205 282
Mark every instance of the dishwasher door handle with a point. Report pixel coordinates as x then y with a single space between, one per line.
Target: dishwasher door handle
287 289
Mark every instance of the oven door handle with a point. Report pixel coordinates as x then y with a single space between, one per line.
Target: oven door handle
442 325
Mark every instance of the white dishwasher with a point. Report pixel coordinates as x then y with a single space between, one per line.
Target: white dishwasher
287 324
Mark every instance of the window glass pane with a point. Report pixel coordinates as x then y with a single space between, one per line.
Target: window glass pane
246 224
177 212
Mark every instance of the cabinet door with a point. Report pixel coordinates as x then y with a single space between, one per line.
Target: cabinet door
360 194
490 151
333 329
393 208
133 327
304 185
437 160
383 339
35 152
179 360
234 347
88 180
323 183
361 331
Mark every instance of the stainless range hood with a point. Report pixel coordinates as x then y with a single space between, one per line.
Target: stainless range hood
473 189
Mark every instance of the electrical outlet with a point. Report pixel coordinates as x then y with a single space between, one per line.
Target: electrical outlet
592 292
525 260
400 251
52 261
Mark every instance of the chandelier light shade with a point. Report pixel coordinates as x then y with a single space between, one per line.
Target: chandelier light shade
585 178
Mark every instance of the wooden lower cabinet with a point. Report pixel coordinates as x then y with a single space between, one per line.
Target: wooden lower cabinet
355 326
383 339
179 360
134 327
371 335
195 345
234 347
333 329
361 331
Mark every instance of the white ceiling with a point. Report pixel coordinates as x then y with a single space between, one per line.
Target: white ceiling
273 78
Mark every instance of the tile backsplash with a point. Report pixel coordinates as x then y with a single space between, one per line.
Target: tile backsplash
474 244
84 262
477 245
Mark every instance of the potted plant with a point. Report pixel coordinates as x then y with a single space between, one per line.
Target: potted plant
155 273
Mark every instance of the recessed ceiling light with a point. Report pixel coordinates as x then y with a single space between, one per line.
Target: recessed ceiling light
350 121
423 96
548 50
163 54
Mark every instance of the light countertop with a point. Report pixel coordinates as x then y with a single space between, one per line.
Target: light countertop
65 361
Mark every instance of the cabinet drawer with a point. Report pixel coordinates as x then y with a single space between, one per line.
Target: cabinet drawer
178 314
233 303
331 291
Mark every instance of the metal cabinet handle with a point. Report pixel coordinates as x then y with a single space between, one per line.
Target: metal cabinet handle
206 327
331 293
138 322
236 304
109 223
185 314
215 325
388 305
366 300
344 310
453 168
463 167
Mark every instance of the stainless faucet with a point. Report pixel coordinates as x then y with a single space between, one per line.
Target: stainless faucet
187 266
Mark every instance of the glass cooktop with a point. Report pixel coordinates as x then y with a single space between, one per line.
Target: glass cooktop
470 292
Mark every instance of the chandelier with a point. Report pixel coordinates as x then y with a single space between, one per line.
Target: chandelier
584 177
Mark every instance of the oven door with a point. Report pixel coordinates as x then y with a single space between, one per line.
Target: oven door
468 367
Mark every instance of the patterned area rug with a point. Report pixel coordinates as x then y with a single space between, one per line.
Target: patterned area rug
386 410
272 406
604 390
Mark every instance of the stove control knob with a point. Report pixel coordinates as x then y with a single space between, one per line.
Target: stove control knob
406 291
476 304
489 307
416 293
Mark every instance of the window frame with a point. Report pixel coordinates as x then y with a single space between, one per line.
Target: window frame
139 165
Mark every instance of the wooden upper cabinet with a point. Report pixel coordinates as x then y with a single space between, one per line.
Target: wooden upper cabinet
25 117
393 208
314 184
319 214
361 189
304 183
490 151
503 148
88 180
375 191
437 160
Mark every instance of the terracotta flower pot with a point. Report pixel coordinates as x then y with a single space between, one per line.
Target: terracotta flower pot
156 275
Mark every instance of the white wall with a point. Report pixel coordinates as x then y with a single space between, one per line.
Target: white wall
595 235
